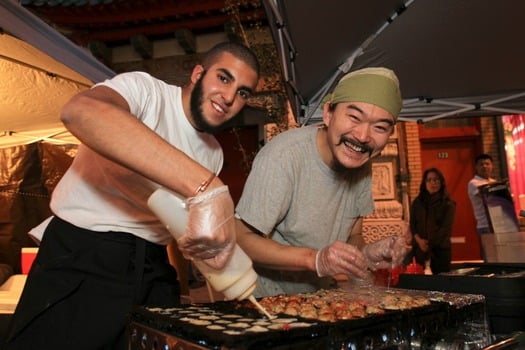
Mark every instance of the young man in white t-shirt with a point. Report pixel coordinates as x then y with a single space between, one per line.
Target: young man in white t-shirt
104 250
484 167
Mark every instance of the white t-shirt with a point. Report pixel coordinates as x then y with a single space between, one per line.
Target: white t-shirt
477 202
99 195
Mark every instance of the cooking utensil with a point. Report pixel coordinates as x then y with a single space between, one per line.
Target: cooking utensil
461 272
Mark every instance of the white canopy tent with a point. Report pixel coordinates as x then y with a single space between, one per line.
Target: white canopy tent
40 70
453 58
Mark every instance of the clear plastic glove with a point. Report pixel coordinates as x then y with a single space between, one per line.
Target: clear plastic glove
210 232
387 253
340 258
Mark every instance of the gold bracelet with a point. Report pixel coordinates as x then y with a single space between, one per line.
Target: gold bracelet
204 185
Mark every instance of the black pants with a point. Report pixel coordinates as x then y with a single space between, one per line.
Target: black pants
82 286
440 258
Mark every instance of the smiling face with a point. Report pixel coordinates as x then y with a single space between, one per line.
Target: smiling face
355 132
220 92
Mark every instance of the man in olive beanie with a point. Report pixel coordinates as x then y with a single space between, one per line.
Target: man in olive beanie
300 214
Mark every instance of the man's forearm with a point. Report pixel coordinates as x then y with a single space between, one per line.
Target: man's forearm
268 253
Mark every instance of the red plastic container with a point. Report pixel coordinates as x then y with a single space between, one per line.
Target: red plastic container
414 268
28 256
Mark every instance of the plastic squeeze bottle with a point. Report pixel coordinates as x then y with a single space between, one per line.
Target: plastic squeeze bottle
237 279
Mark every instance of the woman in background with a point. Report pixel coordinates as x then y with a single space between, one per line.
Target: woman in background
431 219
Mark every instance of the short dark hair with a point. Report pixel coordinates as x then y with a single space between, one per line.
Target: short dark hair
483 156
241 51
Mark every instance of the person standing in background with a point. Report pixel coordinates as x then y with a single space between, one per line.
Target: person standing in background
431 218
484 166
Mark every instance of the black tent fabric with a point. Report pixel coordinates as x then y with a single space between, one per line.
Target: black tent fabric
452 57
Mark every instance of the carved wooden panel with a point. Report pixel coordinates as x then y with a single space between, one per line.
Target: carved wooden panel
383 184
374 230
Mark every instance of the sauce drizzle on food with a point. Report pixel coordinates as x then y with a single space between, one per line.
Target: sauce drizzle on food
260 307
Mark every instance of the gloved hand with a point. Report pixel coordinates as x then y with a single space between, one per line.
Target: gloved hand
387 253
340 258
210 232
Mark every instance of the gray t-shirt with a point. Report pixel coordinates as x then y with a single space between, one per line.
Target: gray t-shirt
296 199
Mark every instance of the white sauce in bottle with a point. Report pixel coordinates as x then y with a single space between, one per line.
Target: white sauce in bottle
237 279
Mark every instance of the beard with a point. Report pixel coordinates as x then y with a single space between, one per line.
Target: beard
196 101
351 174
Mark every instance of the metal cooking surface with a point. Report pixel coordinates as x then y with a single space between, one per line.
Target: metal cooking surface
502 285
499 270
233 325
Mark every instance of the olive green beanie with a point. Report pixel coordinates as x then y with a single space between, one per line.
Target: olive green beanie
376 85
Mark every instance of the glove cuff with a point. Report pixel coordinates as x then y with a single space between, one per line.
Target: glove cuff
206 196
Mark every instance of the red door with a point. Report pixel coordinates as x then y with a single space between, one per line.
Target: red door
455 159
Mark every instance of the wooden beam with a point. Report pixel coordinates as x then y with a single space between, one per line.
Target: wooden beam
142 46
154 29
186 40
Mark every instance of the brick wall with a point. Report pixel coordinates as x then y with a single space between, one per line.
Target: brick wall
490 140
413 158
